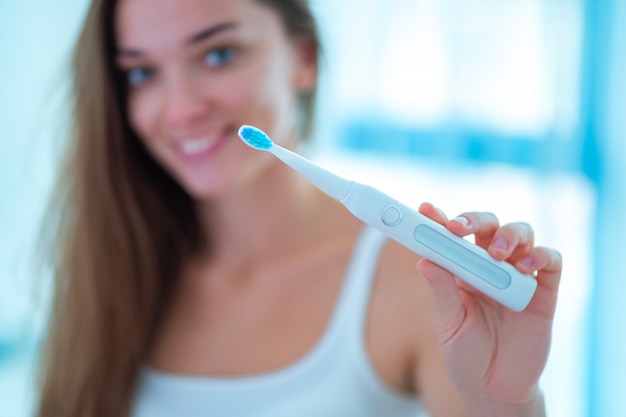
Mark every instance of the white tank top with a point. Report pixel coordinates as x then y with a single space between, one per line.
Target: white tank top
335 378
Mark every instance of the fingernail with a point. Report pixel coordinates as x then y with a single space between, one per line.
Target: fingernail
463 220
526 262
500 244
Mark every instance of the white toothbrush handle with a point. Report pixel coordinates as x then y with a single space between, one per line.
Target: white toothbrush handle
474 265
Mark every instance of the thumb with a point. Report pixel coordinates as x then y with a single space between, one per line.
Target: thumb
445 294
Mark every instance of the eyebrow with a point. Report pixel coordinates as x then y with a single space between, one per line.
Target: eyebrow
196 38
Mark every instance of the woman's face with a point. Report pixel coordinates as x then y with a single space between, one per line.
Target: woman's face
196 71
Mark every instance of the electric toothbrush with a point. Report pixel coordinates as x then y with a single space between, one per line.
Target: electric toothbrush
429 239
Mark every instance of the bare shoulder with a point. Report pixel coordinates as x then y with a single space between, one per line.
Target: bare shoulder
400 317
401 335
399 287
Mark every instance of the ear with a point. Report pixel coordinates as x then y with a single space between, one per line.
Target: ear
305 77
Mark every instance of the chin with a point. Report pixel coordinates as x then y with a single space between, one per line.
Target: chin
202 188
201 191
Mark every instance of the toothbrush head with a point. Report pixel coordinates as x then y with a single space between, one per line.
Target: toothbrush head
255 137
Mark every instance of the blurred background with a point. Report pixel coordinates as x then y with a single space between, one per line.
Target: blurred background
514 107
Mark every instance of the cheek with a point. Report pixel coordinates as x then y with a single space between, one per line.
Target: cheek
143 119
262 98
143 116
139 114
238 90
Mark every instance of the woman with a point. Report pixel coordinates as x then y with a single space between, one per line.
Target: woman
199 277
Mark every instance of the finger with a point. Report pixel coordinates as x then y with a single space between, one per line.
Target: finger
432 212
546 264
512 241
482 225
448 306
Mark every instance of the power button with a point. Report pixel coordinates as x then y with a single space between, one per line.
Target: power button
391 216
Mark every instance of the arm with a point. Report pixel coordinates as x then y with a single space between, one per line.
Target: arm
494 356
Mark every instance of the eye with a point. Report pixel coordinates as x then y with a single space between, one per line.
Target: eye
220 56
137 77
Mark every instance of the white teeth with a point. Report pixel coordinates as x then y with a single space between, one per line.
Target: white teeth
193 146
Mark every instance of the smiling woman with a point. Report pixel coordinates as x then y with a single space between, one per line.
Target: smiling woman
196 72
195 276
167 76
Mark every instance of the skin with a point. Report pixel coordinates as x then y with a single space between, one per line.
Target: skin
279 244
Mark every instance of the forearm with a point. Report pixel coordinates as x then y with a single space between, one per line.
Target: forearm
534 407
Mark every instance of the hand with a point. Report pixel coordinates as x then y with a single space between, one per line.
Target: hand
494 355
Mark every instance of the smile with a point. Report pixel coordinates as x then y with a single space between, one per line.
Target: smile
197 145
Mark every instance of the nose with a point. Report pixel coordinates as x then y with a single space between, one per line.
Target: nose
183 102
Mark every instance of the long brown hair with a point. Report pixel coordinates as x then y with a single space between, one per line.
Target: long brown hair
122 229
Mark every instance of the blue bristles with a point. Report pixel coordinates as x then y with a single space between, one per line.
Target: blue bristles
255 137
